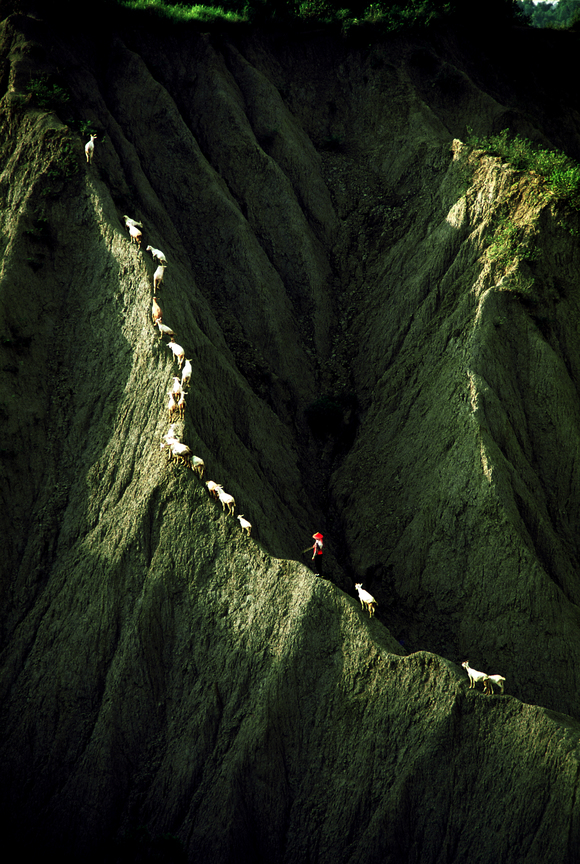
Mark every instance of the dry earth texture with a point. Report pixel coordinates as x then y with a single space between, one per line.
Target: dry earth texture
366 363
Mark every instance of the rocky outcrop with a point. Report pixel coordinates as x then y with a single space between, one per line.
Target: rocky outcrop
364 364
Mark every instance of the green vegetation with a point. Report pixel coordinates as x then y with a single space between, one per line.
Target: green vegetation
521 285
561 173
514 231
382 16
41 229
560 15
47 94
85 127
511 242
65 164
183 12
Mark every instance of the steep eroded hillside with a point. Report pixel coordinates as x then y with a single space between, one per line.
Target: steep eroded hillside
362 366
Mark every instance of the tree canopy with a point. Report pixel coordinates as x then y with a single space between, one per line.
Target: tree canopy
561 14
383 14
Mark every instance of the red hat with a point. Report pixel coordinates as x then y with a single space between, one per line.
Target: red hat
318 536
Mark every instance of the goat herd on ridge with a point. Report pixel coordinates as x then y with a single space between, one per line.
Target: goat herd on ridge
176 408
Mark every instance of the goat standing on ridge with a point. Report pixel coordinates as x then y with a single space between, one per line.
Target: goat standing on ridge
176 388
213 488
186 374
181 452
158 278
164 330
367 601
157 255
135 235
495 679
245 525
156 313
181 405
90 148
198 465
474 676
178 352
133 222
172 406
227 501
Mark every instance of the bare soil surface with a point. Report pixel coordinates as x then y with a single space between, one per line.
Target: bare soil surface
363 367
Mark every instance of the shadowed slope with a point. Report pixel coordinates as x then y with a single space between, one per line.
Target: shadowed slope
325 238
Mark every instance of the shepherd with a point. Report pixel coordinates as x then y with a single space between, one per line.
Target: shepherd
316 550
318 544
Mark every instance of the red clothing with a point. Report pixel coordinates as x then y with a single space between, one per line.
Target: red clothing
317 548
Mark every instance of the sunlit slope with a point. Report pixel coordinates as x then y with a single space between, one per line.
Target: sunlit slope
362 366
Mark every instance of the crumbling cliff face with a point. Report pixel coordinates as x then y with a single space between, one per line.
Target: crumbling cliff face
362 366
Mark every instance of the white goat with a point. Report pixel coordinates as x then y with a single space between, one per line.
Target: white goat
178 352
367 601
172 406
156 313
168 443
227 501
181 452
157 255
135 235
474 676
90 148
495 679
186 374
213 488
198 465
179 398
169 438
176 388
129 221
245 525
164 330
158 278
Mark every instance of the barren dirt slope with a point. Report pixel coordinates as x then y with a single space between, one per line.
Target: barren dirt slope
363 366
